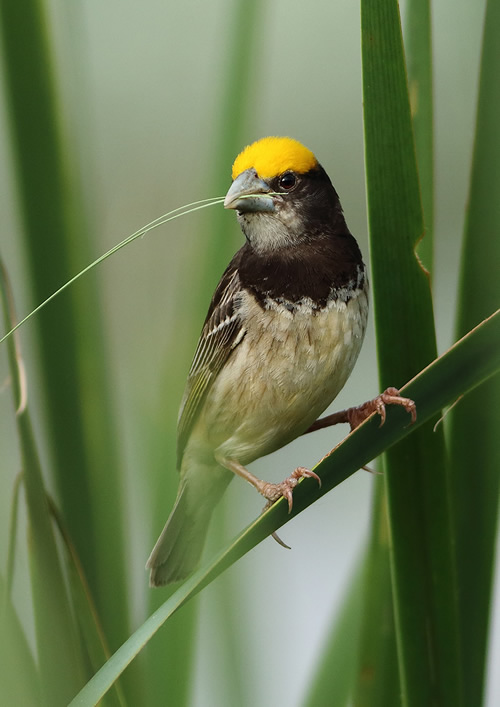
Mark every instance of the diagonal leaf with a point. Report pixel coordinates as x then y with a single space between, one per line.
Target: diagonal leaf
435 387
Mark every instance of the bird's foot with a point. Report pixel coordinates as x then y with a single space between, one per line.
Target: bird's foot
285 488
357 415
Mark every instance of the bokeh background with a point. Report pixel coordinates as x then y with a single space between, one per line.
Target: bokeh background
144 96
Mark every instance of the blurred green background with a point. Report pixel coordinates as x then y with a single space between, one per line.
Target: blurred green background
144 104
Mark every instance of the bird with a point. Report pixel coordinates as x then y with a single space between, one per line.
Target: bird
282 334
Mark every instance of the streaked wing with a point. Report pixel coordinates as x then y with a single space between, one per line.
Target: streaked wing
221 333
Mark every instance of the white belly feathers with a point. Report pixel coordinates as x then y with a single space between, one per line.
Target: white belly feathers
257 405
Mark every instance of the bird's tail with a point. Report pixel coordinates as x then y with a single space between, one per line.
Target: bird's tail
178 549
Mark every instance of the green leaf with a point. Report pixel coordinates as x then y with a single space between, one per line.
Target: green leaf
59 658
417 478
15 658
434 388
475 452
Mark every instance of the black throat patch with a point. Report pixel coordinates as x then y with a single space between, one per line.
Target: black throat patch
318 270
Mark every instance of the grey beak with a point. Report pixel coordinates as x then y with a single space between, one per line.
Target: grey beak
249 183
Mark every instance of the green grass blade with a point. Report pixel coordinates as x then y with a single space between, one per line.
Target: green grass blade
475 452
69 338
15 658
418 41
170 216
59 659
11 554
423 570
434 388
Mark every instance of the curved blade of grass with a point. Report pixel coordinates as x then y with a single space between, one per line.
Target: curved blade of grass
435 387
59 658
422 554
475 452
169 216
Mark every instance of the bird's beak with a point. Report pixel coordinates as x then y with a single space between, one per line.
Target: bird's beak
249 192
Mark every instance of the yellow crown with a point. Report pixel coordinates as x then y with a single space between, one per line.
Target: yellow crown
271 156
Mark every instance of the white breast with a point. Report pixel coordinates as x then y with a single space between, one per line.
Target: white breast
284 374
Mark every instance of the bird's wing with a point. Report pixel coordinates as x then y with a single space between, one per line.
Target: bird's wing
221 334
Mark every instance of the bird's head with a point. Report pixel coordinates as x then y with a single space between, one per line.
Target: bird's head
282 195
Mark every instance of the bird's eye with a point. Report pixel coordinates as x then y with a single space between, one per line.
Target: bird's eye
288 180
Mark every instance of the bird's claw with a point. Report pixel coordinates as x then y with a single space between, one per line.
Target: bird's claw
285 488
390 396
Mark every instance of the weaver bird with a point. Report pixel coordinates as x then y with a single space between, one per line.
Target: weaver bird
281 337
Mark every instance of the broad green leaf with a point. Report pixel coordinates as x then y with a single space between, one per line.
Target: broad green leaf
475 452
417 480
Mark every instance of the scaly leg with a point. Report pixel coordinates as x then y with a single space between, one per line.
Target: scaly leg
270 491
356 415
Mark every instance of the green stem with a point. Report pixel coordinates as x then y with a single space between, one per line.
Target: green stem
475 452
